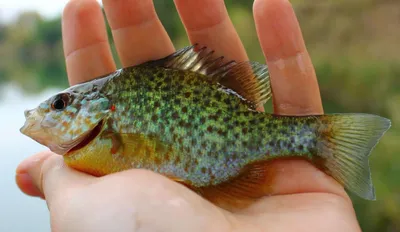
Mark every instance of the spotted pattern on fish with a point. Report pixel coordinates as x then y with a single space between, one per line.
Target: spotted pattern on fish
210 140
193 119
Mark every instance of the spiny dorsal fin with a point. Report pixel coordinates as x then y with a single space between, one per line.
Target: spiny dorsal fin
248 79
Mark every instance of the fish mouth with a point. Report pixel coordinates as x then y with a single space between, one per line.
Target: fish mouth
32 129
89 137
25 128
30 122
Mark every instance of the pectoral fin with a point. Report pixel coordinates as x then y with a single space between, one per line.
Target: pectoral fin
115 140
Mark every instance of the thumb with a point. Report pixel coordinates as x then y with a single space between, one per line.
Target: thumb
46 175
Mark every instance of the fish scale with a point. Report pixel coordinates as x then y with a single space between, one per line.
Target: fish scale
221 126
193 119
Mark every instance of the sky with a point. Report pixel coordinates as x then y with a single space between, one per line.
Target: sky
9 9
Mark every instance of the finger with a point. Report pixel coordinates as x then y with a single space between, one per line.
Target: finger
207 23
86 48
25 180
293 79
328 212
48 176
299 176
295 92
26 185
138 34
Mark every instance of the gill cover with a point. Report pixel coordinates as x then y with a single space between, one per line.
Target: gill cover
65 120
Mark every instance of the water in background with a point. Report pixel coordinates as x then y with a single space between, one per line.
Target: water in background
18 212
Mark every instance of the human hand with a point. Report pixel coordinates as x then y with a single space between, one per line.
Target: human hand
303 198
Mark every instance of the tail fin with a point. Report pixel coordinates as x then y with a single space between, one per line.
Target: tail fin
346 140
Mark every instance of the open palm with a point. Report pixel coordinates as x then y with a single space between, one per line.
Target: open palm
302 197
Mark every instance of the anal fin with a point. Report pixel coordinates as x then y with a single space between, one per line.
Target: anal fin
242 191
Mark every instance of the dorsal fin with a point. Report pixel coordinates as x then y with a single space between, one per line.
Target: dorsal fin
248 79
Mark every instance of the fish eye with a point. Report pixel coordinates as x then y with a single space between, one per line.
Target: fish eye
60 102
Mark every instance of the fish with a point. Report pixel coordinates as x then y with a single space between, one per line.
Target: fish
193 118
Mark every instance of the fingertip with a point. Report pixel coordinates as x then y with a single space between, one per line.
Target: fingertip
46 175
25 183
23 177
139 35
80 7
128 13
261 6
209 12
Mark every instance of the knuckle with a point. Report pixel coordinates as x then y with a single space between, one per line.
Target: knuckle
50 163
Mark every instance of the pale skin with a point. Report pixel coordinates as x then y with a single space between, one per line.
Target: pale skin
304 198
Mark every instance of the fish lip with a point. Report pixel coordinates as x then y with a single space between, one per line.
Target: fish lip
31 123
31 134
63 149
27 128
28 124
27 113
24 128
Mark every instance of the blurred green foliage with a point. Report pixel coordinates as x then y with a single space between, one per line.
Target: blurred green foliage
354 46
